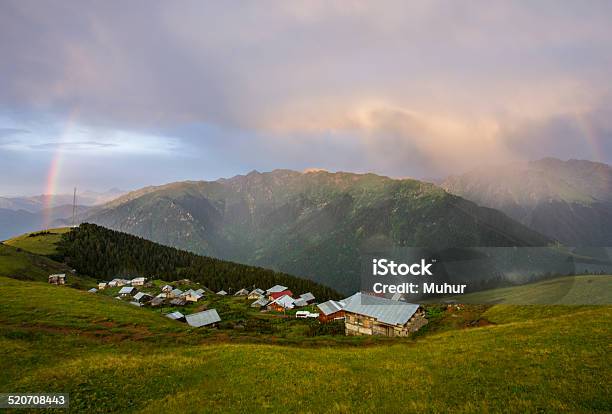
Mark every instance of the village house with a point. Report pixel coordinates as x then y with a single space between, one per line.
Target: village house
260 303
308 297
167 289
178 302
127 291
138 281
372 315
275 295
331 310
192 296
275 289
256 293
175 293
101 285
222 293
157 301
142 297
200 292
176 316
282 303
118 282
242 292
57 279
92 290
206 318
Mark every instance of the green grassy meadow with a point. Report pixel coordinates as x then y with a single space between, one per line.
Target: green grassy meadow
111 356
114 357
43 243
565 290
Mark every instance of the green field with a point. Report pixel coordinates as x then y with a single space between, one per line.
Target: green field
111 356
42 242
19 264
567 290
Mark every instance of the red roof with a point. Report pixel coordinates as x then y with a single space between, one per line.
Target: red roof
277 295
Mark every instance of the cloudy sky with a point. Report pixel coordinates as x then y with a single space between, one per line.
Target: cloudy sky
121 94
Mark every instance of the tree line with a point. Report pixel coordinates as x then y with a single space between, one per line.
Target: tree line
106 254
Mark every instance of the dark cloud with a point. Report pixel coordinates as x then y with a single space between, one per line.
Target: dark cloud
212 88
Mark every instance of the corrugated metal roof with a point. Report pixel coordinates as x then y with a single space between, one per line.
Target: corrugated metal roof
256 291
175 315
384 310
284 301
259 302
307 296
176 292
222 293
126 290
204 318
241 292
156 301
141 295
329 307
276 288
200 291
93 290
299 302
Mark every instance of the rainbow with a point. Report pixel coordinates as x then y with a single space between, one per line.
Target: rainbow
55 167
590 136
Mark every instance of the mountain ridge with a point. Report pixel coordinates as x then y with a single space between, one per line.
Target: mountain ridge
312 224
570 201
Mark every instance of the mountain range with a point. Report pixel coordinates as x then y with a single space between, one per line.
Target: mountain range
569 201
311 224
24 214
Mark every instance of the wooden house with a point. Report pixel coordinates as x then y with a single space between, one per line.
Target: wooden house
331 310
157 301
260 303
282 303
275 289
138 281
372 315
142 297
127 291
256 294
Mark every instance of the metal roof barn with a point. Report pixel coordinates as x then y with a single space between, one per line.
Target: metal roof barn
384 310
204 318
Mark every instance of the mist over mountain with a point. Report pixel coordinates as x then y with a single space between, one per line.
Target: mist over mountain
24 214
16 222
37 203
309 224
570 201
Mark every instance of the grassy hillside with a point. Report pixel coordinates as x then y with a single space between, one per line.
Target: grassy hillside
40 242
112 357
23 265
568 290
